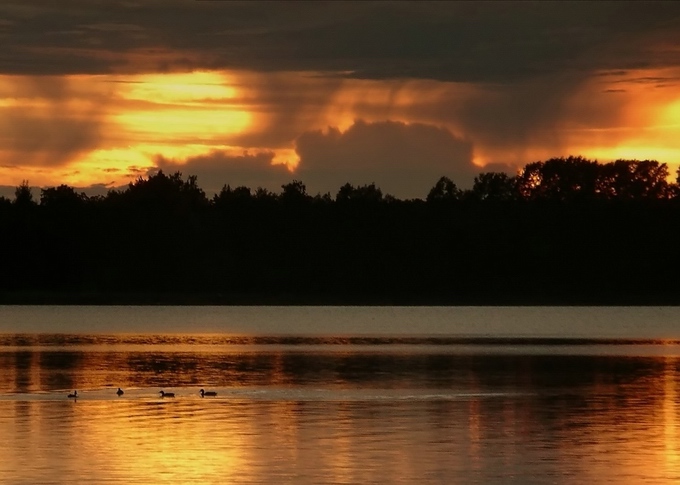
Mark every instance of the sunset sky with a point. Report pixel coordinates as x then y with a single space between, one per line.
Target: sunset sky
96 93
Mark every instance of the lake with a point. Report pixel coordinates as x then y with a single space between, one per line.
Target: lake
321 395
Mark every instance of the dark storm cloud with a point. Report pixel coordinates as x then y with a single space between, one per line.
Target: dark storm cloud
217 169
455 41
405 160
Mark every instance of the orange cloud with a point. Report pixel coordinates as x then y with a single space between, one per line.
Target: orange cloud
74 129
645 122
104 129
48 121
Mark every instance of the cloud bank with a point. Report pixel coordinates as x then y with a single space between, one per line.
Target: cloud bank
450 41
219 168
402 159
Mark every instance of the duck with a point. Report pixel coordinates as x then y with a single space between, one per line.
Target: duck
120 392
207 393
74 395
167 394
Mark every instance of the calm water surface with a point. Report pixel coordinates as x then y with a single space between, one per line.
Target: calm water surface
340 395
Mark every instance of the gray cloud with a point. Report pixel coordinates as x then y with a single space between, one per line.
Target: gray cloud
217 169
39 140
404 160
508 121
7 191
285 104
453 41
43 129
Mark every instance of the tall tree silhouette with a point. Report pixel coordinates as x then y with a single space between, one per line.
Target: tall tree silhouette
494 186
364 194
23 196
161 192
444 191
62 197
237 197
635 179
5 203
294 194
571 178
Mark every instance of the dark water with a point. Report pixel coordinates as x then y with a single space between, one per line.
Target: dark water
463 407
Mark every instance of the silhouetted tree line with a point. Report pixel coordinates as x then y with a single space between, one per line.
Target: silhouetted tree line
566 230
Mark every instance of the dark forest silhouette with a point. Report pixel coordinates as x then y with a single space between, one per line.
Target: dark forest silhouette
563 231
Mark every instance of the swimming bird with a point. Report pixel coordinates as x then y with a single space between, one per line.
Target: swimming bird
120 392
74 395
207 393
167 394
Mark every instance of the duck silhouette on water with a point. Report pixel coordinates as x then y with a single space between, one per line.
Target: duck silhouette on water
73 395
120 392
207 393
166 394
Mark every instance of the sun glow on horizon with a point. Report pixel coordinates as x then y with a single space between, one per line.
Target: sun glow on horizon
622 115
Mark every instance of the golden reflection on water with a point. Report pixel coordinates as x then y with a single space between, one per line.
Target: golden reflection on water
125 442
621 428
670 407
474 432
338 417
165 439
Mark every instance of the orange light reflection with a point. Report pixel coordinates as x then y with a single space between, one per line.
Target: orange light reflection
670 406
